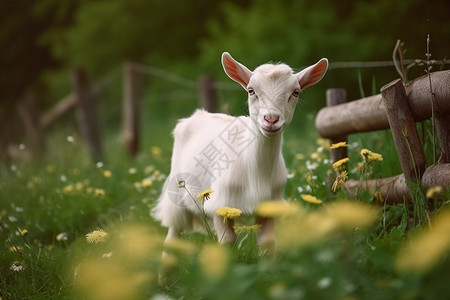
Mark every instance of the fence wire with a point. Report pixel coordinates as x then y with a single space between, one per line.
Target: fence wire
229 86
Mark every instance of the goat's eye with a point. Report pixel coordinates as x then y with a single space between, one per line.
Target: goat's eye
251 91
296 93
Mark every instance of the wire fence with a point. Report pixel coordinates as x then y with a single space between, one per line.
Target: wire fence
229 86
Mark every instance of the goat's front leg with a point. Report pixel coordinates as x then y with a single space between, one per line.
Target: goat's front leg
224 230
266 237
172 233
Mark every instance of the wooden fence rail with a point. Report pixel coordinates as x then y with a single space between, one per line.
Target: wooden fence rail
398 108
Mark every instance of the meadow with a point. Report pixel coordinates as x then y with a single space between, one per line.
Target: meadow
76 229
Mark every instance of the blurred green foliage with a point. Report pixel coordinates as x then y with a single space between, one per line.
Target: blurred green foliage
64 196
48 207
43 40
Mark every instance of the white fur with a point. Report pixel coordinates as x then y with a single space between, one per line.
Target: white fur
239 158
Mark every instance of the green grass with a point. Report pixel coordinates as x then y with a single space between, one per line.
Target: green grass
64 196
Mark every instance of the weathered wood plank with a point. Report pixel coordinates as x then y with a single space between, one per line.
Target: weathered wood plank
369 114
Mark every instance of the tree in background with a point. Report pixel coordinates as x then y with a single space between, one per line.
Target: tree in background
42 41
106 33
299 32
25 52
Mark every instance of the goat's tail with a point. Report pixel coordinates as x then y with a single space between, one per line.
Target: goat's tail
169 213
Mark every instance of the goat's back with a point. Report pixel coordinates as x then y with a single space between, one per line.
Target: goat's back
203 154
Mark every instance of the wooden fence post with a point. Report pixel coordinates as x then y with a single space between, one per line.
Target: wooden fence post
29 113
404 132
438 174
87 113
133 84
442 121
398 107
207 93
336 97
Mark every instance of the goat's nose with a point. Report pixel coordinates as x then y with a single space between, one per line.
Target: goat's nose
271 119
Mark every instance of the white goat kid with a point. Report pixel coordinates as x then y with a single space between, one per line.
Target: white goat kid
239 158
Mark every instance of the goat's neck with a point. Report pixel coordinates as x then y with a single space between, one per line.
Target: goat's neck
265 150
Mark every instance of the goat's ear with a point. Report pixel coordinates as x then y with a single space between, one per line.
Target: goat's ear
236 71
312 74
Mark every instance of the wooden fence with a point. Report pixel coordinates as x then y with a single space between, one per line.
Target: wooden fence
85 100
398 107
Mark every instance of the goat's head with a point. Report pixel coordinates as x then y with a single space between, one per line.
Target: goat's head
273 90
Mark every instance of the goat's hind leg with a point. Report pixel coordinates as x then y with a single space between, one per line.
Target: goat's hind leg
224 230
266 237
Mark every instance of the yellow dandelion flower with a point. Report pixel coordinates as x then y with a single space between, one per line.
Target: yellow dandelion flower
79 186
349 214
50 168
147 182
428 247
205 195
106 279
370 156
323 222
315 155
378 196
156 151
137 242
360 167
228 213
169 260
277 208
310 178
182 246
99 192
214 261
277 290
434 191
341 178
96 236
68 189
311 199
338 145
314 226
149 169
107 174
340 164
247 228
300 156
325 143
